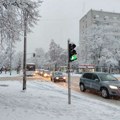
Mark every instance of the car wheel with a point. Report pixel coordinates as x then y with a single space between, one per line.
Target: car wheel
104 93
82 87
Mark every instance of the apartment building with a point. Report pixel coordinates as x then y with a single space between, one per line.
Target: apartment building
98 18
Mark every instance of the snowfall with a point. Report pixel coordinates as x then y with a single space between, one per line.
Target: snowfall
44 100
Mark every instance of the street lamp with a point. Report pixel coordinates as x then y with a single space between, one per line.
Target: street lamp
25 13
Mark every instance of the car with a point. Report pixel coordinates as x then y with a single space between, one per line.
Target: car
41 72
104 83
58 76
36 72
46 74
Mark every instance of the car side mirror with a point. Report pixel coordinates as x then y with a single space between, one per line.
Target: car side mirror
97 80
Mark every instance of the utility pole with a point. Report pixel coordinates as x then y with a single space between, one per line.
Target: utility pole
69 81
24 54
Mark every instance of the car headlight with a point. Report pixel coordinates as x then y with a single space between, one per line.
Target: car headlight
45 74
34 74
57 77
113 87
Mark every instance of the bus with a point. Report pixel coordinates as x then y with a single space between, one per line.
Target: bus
30 69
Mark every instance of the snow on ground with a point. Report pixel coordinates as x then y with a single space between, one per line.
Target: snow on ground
13 74
47 101
79 75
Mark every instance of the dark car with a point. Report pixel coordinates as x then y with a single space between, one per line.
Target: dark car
58 76
104 83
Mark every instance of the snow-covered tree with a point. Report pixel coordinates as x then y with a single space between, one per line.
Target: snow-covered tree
40 57
100 44
55 51
13 14
17 60
58 56
6 57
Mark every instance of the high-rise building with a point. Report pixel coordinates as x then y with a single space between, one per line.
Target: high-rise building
98 18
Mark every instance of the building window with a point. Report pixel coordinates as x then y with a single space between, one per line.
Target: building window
96 16
106 18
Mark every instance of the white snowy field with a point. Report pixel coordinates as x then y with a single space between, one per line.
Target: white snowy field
47 101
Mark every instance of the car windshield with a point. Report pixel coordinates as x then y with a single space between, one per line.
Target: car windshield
58 73
48 72
107 77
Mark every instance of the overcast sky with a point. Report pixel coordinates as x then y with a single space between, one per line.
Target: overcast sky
60 21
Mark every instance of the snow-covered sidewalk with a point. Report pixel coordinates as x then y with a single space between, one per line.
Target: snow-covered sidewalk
47 101
13 74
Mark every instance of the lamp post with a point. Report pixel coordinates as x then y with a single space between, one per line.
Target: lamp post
24 54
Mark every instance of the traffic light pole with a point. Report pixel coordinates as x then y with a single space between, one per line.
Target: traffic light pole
69 81
72 55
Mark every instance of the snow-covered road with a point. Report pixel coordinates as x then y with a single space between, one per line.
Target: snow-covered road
47 101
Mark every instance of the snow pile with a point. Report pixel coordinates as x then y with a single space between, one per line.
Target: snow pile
47 101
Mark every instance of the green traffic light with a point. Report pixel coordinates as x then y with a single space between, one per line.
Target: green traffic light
74 57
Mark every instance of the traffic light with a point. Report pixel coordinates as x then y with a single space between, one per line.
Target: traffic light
33 54
72 52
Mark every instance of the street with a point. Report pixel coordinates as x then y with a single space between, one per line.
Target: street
74 87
